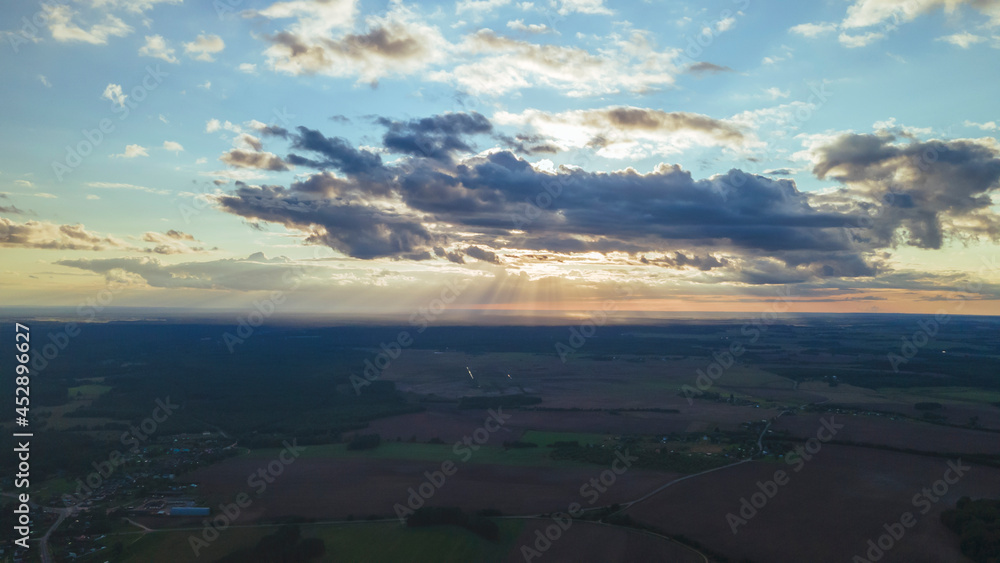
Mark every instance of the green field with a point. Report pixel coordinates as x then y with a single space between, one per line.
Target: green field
966 394
544 439
376 542
487 454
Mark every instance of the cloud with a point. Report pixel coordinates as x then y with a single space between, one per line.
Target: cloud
533 28
171 242
132 151
774 93
335 152
358 230
60 20
238 158
133 6
46 235
114 94
493 65
121 186
172 146
178 235
394 43
867 13
856 29
482 255
45 81
253 273
923 191
813 29
963 39
157 47
594 7
313 19
11 209
203 47
248 68
437 137
705 67
207 85
479 7
621 131
445 197
860 40
447 202
988 126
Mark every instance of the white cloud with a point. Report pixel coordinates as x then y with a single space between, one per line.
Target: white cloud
133 6
725 24
479 7
173 146
164 119
519 25
313 19
776 93
393 43
121 186
867 13
114 94
862 40
45 81
92 196
207 85
813 29
500 65
202 48
248 68
963 39
59 18
628 132
583 7
213 125
988 126
132 151
156 46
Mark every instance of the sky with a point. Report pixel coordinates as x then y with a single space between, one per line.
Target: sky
370 158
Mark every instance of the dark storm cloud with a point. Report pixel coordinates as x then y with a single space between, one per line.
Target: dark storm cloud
482 254
358 230
528 144
273 131
437 137
681 260
735 227
337 153
920 189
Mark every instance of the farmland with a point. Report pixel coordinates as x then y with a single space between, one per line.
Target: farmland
631 429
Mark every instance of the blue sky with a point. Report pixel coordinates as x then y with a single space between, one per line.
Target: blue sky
190 200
